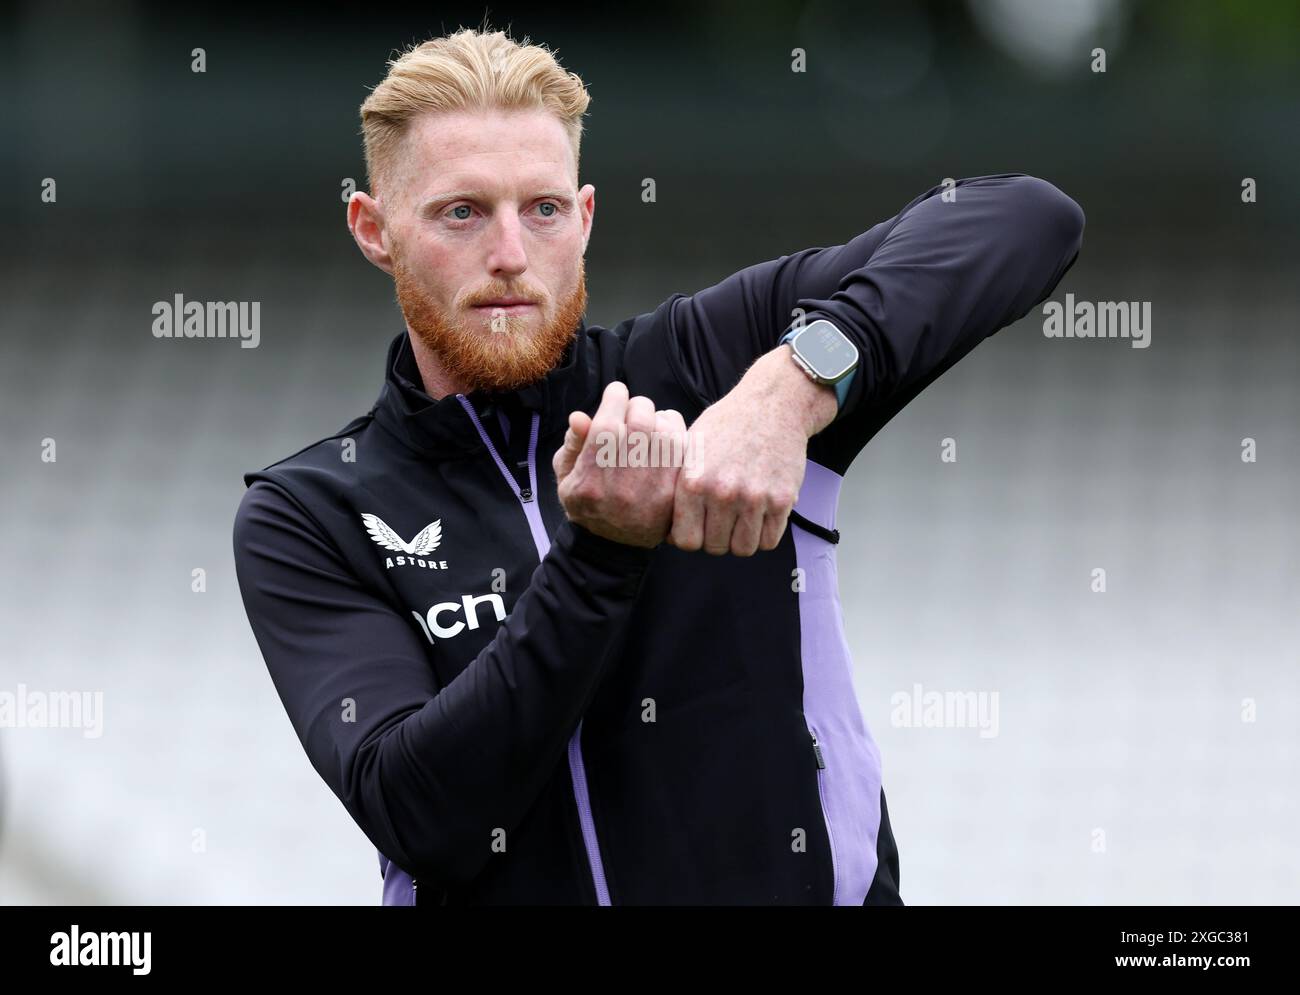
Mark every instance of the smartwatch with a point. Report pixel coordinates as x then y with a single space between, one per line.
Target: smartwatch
826 354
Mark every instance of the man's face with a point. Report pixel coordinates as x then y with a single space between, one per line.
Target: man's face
486 229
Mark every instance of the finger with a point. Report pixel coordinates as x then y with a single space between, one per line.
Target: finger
640 418
687 532
668 442
610 416
668 452
748 531
671 425
613 403
773 529
661 449
719 523
567 455
675 417
580 424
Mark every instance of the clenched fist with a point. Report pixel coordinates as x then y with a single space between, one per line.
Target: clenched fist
631 504
751 450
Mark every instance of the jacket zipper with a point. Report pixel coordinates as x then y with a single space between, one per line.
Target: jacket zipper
577 769
821 795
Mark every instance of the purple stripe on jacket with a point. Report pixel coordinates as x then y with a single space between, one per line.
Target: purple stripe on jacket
850 781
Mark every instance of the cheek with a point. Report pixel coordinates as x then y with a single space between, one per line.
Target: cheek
558 264
436 267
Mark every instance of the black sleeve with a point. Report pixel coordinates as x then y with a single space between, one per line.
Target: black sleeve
914 293
428 772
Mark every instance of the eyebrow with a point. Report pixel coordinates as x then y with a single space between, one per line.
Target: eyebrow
482 195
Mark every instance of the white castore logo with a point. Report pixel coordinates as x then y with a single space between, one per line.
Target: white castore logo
425 542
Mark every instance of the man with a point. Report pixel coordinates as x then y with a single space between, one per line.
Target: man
535 677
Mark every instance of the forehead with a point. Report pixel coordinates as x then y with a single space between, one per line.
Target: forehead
492 149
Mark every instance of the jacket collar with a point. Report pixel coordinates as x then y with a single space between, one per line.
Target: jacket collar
443 427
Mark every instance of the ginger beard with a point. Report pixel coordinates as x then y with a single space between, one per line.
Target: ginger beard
486 350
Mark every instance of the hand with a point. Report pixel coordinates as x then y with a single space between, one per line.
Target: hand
628 504
748 454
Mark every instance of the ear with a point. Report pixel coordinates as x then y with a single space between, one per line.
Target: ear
587 205
366 222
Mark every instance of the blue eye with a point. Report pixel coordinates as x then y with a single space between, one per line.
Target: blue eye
553 209
462 207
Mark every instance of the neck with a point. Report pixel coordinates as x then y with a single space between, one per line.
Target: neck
438 383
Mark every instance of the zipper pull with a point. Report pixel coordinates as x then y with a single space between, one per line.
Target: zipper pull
817 751
414 886
525 494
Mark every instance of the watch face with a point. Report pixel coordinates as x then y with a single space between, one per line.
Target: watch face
827 350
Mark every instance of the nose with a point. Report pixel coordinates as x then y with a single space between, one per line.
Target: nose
507 257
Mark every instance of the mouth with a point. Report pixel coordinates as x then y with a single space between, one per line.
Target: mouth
508 304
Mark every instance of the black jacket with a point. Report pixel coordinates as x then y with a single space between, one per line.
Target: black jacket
515 710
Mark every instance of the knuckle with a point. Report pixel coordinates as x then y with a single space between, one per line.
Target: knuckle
724 491
586 493
695 485
782 498
686 539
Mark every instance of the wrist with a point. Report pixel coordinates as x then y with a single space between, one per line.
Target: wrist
828 356
589 545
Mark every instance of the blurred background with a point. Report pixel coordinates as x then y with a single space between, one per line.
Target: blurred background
1147 746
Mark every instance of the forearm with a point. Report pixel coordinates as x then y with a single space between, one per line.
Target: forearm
427 772
775 385
949 274
913 294
474 758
